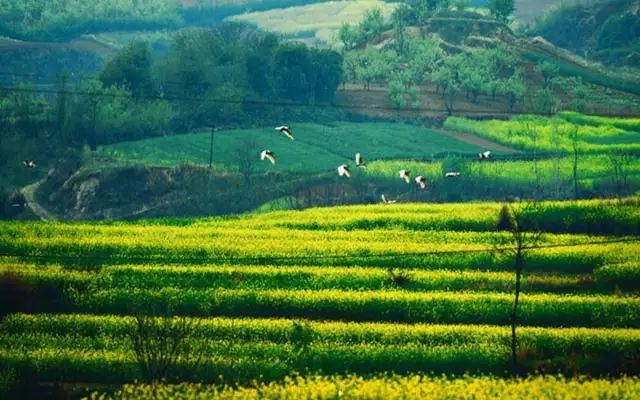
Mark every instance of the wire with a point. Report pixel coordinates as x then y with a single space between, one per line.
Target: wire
269 103
161 258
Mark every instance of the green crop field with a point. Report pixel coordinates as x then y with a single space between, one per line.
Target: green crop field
316 147
594 134
404 288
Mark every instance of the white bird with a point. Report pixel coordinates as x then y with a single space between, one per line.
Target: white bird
268 154
484 156
343 170
452 174
385 201
29 163
285 130
405 175
22 205
360 161
420 180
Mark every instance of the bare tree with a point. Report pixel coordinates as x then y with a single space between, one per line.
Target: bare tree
161 344
247 159
620 166
575 146
519 221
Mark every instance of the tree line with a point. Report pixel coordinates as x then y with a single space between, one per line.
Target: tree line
226 75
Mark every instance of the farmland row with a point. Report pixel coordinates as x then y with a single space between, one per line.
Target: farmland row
52 279
381 305
395 388
72 347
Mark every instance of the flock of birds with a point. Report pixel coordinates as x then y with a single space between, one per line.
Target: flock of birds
344 171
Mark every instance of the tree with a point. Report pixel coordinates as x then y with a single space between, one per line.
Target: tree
575 146
580 93
246 153
545 102
350 63
326 70
425 56
399 23
161 344
371 25
130 68
514 88
518 220
621 167
447 77
348 36
549 70
502 9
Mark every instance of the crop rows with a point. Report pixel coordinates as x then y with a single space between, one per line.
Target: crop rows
604 280
546 134
361 289
394 388
63 346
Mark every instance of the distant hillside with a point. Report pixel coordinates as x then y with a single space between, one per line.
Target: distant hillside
44 20
607 31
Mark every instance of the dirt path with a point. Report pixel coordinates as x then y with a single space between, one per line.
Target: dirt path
477 141
29 195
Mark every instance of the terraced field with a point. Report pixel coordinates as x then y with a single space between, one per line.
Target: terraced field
402 288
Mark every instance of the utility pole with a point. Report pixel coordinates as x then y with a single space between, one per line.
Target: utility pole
211 150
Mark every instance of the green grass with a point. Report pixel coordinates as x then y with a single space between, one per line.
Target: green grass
316 147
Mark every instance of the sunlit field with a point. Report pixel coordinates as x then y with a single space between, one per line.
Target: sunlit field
407 288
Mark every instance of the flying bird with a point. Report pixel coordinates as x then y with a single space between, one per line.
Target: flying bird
385 201
452 174
420 180
343 170
484 156
29 163
285 130
405 175
268 154
360 161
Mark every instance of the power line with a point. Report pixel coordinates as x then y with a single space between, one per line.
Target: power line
171 260
267 103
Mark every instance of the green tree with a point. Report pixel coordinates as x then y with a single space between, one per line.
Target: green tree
326 69
292 66
502 9
447 77
425 55
545 102
549 70
372 25
348 36
513 88
130 68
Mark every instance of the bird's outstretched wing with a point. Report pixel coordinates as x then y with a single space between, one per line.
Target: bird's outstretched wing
285 130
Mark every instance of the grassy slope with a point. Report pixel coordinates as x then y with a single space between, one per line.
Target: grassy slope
316 148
